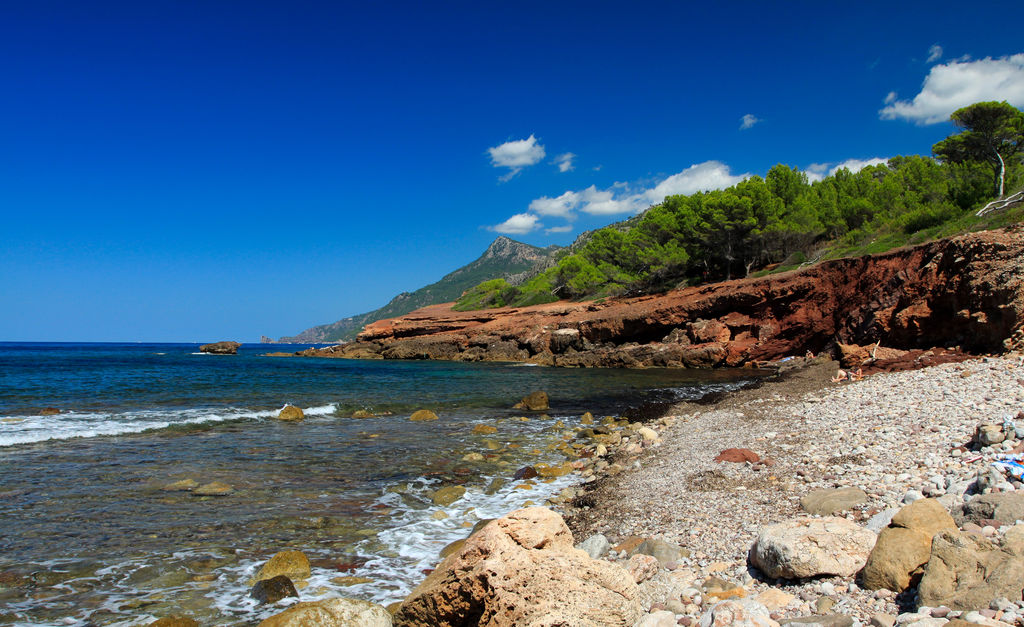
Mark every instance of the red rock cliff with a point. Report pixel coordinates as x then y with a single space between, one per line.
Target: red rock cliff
966 291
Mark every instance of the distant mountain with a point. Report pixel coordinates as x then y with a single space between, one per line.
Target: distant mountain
505 258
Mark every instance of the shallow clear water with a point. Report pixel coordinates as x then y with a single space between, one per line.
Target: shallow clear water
90 536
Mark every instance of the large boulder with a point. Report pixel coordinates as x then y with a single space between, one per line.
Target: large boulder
522 569
966 572
1004 507
905 545
292 564
331 613
829 501
220 348
535 401
808 547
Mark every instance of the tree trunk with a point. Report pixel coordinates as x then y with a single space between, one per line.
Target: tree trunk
1002 174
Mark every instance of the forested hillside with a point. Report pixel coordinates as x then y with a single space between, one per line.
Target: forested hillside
784 219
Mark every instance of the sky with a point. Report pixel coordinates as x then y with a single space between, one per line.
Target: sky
200 171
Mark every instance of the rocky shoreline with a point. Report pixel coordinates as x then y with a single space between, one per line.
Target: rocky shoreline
673 515
964 292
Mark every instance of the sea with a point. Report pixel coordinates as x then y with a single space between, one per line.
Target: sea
90 535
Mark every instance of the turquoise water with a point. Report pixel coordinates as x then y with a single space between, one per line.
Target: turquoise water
90 536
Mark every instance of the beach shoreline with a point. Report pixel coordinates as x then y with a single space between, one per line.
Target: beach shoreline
897 436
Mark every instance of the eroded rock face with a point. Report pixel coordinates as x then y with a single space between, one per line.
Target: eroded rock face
522 569
966 290
809 547
965 572
221 348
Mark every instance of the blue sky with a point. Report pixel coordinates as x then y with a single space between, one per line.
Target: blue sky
221 170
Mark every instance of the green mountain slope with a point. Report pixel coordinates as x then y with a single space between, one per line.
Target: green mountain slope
505 258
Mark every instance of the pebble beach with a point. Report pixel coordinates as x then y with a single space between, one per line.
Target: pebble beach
898 437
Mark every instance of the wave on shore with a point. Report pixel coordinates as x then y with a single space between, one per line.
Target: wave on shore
16 430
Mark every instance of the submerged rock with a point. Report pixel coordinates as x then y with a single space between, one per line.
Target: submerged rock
181 486
535 401
214 488
448 495
273 590
174 621
337 612
423 415
291 564
49 411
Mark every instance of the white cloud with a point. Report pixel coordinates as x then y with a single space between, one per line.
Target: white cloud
748 121
621 198
959 83
816 172
696 178
856 165
561 206
890 97
559 229
564 162
934 53
516 155
519 224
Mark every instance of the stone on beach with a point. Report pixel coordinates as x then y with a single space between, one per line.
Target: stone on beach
738 456
808 547
737 613
830 501
423 415
596 546
663 551
1004 507
965 571
336 612
291 564
535 401
522 569
290 413
905 545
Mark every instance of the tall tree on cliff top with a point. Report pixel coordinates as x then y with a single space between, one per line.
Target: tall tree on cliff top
989 131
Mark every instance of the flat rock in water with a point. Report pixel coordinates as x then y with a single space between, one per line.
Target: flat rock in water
830 501
214 488
181 486
331 613
49 411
